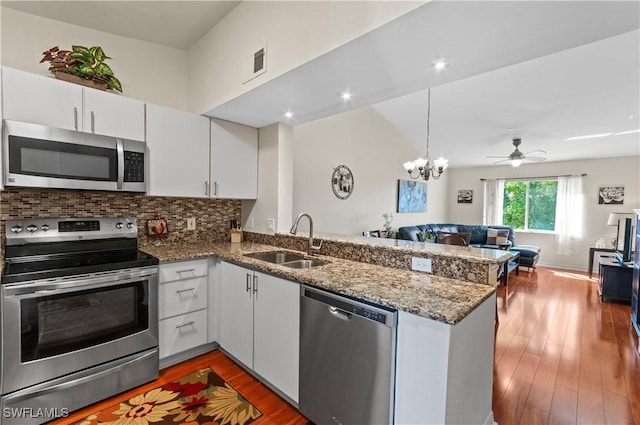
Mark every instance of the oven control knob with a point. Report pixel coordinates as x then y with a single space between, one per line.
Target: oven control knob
32 228
119 225
45 227
129 225
16 229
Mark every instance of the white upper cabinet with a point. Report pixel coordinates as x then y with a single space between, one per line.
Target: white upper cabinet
40 100
44 100
234 160
113 115
178 150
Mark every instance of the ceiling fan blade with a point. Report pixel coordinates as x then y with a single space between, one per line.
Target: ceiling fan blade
539 150
535 158
498 162
494 156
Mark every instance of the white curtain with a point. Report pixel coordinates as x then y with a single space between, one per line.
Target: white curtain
493 202
569 210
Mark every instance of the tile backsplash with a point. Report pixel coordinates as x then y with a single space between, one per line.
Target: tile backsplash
212 215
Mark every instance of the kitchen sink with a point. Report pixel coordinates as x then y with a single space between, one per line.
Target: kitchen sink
287 259
305 264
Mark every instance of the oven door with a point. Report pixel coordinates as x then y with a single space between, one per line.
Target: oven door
40 156
53 328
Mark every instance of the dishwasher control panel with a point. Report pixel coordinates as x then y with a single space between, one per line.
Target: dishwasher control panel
352 307
370 314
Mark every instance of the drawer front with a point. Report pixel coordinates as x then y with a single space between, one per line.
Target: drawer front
182 333
182 270
182 296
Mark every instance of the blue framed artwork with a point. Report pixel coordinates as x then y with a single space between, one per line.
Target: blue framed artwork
412 196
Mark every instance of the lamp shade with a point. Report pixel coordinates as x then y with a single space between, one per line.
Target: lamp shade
617 216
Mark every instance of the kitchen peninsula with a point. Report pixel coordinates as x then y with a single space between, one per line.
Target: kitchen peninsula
444 352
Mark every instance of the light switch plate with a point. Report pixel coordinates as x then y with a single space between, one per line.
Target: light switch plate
191 223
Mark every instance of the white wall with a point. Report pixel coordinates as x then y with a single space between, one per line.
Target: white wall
600 172
374 150
147 71
295 32
275 185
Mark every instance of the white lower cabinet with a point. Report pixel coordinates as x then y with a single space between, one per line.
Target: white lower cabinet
182 332
182 306
260 324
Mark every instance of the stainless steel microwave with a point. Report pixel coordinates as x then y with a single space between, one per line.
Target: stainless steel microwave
41 156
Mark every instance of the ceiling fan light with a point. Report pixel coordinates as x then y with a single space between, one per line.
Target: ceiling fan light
516 162
409 166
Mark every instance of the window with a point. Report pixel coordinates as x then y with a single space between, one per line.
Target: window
530 205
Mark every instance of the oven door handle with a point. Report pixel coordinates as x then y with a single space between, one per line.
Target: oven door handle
76 283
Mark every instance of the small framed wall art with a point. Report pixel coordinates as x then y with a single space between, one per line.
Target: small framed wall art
465 196
342 182
611 195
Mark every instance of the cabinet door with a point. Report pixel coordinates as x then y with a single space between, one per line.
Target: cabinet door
41 100
236 312
277 332
234 160
178 149
113 115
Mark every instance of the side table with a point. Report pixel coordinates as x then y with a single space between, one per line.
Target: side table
592 251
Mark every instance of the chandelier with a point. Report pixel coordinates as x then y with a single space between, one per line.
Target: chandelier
423 165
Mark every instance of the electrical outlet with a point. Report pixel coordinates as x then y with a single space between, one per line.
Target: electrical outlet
271 223
250 222
421 264
191 223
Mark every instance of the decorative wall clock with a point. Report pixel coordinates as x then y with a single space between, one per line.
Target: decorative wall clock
342 182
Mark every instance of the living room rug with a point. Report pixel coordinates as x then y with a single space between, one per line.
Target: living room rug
201 398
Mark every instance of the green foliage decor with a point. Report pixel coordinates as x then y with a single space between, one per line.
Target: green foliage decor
85 62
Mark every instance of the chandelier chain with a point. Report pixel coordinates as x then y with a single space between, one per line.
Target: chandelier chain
428 118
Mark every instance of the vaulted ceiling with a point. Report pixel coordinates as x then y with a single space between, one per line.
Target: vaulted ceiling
542 71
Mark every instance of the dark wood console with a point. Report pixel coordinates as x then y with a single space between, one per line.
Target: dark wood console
615 280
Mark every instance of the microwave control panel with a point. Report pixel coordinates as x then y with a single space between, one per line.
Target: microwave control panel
133 166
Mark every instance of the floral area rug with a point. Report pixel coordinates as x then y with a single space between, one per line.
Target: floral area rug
200 398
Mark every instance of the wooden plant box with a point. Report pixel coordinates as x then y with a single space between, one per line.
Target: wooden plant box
64 76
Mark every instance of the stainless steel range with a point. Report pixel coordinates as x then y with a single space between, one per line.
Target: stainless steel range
79 316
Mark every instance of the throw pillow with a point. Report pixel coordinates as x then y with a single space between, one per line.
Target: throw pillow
497 236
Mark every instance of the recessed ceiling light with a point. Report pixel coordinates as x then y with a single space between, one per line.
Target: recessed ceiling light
440 65
288 115
346 96
628 132
588 136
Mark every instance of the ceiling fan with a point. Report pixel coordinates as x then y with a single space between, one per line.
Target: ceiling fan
517 157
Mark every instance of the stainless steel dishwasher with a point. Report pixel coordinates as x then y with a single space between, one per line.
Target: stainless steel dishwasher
347 360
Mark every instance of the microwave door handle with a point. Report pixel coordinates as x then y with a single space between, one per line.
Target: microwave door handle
120 149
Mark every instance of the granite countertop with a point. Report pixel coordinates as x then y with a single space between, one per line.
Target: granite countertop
480 255
434 297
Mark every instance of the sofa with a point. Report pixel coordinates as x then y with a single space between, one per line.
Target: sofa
529 254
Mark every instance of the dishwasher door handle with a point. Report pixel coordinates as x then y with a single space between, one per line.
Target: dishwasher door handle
339 313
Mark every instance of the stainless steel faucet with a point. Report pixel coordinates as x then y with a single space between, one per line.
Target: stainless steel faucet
312 248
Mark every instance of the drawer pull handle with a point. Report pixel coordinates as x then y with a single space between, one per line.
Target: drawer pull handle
180 291
186 271
191 323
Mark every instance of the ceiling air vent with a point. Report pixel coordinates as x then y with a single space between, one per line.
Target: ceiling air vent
255 64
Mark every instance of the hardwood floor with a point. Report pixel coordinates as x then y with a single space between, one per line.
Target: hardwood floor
562 357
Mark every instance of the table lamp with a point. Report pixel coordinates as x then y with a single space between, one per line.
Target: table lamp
614 220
